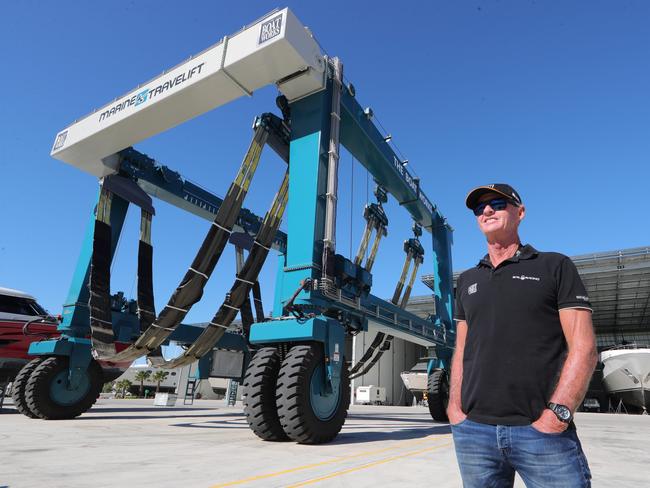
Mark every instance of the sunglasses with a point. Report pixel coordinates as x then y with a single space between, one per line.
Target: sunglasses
495 204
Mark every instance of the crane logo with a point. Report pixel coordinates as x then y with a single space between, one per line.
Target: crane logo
149 94
270 29
141 97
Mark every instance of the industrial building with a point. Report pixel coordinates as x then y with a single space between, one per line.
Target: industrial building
618 285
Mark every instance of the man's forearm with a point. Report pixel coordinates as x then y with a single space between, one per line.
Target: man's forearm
574 379
456 379
581 359
456 376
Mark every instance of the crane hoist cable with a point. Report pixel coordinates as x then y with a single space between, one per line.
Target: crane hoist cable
244 282
190 290
414 254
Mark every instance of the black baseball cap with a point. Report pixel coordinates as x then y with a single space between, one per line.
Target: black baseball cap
501 188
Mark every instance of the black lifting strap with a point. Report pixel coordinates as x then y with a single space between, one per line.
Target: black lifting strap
101 327
375 219
257 301
101 324
190 290
247 318
246 311
384 347
414 253
369 352
146 305
245 280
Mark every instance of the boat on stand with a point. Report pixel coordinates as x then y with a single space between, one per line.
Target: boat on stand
626 375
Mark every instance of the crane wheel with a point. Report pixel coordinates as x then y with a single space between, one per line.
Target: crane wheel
438 395
308 413
19 386
259 395
49 394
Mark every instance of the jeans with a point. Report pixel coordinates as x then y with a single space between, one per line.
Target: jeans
489 456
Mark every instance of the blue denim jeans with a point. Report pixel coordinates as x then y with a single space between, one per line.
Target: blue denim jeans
489 456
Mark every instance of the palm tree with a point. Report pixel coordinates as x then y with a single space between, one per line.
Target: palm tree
123 386
160 376
142 376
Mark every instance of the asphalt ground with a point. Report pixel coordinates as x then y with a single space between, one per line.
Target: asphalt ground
130 443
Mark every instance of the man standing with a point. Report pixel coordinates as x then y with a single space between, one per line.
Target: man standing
525 352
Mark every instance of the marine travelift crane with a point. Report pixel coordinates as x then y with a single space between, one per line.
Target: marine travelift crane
297 384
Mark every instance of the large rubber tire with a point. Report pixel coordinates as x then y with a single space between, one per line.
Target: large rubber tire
259 395
20 384
438 395
306 416
48 396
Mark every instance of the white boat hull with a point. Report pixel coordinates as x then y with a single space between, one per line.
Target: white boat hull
415 381
626 375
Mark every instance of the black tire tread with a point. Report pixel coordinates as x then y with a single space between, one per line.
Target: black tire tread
19 386
293 398
38 385
438 395
259 395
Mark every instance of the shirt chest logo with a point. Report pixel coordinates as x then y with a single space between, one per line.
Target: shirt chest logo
524 278
472 289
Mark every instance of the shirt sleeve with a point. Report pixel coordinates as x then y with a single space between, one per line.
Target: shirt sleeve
571 292
459 312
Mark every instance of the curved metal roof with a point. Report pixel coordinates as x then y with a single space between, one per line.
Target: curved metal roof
618 284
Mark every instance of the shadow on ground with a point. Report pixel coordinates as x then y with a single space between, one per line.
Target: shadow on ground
169 413
400 434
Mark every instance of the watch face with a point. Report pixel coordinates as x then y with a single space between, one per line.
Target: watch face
563 412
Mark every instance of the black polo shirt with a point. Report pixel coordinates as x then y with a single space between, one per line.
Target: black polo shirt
515 346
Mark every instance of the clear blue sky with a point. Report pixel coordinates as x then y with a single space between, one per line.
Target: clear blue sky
552 97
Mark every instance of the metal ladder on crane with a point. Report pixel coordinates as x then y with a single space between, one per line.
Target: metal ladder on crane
190 388
231 396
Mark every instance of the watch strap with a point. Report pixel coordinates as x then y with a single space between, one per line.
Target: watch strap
553 407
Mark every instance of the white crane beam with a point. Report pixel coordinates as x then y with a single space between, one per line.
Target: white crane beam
276 49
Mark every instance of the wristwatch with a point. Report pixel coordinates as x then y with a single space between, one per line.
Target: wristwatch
562 412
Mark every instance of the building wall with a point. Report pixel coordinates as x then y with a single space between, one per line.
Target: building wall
386 373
